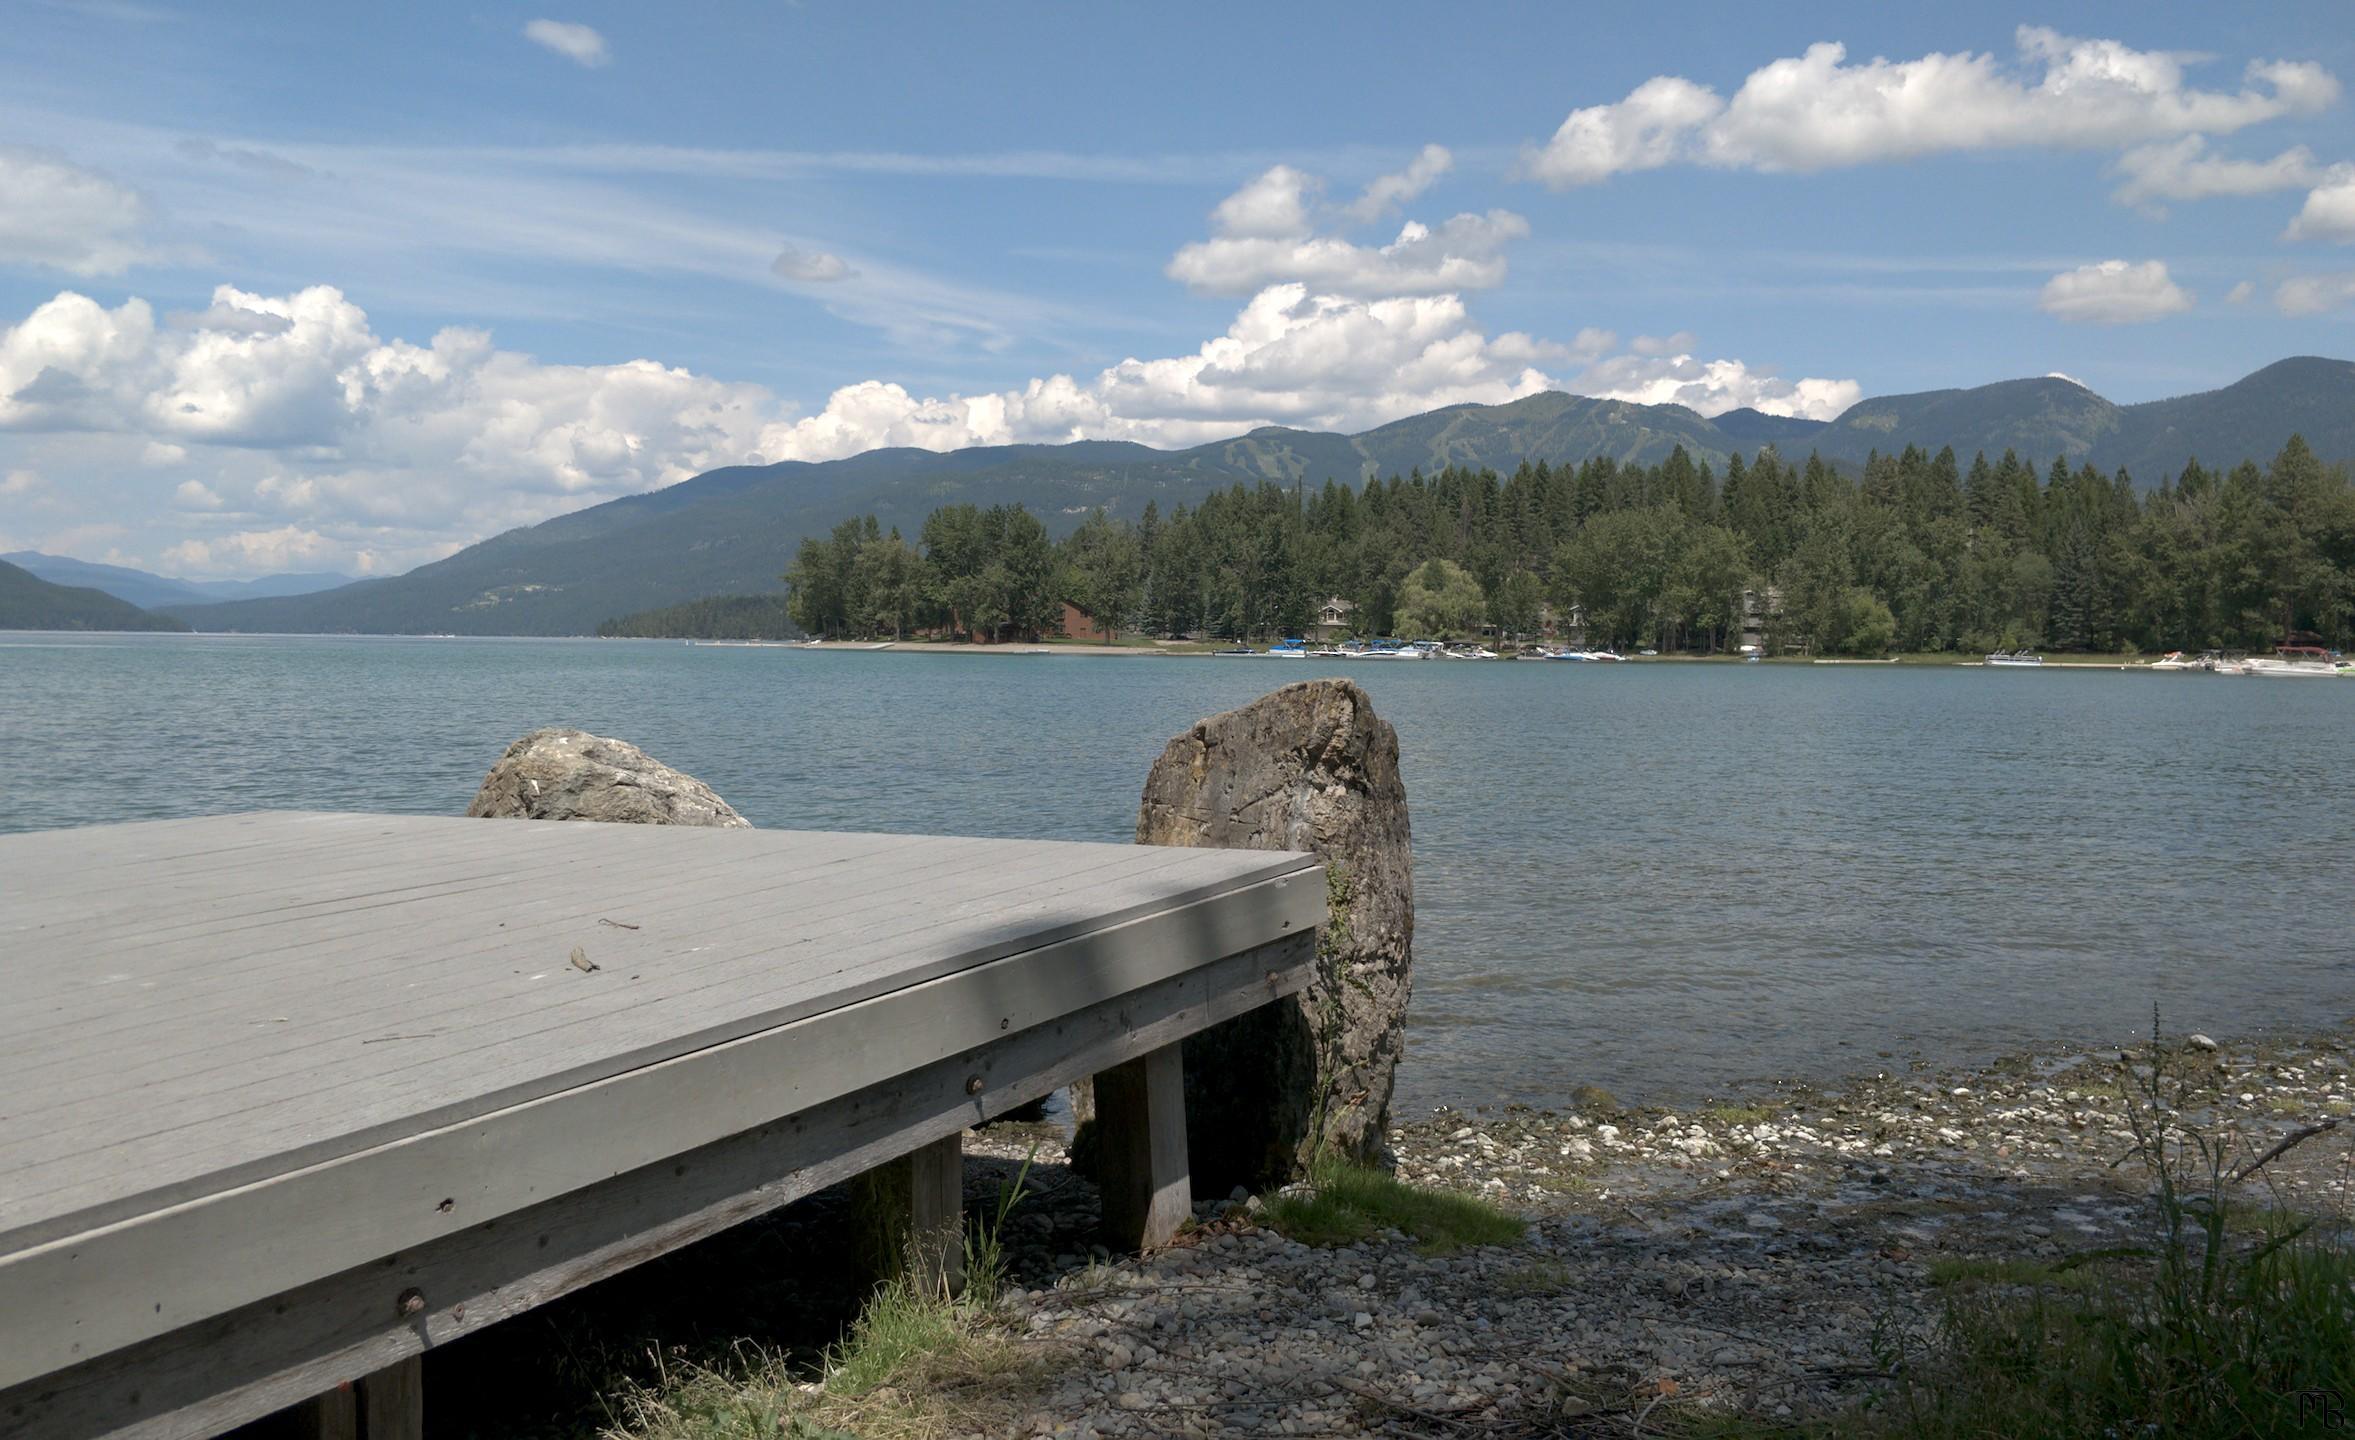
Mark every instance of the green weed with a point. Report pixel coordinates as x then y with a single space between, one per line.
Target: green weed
2231 1320
1347 1203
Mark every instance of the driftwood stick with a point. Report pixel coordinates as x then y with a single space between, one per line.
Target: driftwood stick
2291 1142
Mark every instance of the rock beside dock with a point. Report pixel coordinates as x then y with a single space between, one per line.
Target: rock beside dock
1309 767
562 774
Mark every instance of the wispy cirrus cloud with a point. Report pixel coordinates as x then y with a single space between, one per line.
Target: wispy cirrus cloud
580 44
2304 295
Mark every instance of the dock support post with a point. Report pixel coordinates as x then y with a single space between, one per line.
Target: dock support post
388 1404
912 1217
1142 1169
334 1415
392 1401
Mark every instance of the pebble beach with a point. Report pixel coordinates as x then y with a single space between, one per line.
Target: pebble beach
1756 1258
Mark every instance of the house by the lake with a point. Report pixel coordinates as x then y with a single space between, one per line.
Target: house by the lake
1334 620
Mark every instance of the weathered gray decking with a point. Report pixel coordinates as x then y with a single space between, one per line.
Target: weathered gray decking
241 1056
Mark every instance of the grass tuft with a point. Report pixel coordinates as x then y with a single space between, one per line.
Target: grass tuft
917 1364
1348 1203
1962 1271
2233 1319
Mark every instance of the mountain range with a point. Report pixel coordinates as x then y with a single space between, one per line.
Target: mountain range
28 602
149 591
733 530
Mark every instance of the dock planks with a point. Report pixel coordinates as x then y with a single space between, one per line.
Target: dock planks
241 1055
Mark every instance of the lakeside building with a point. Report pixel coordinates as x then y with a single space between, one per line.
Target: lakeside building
1081 624
1759 607
1333 619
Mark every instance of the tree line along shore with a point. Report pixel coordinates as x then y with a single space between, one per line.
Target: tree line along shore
1915 553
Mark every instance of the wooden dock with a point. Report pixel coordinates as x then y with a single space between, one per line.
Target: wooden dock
287 1099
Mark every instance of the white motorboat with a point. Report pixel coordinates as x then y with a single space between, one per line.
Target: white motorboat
1294 649
2295 662
2014 658
2173 660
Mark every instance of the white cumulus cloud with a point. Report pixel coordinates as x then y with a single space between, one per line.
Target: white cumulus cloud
282 431
2329 212
1272 207
1713 387
1652 127
2184 169
1464 253
326 426
2305 295
1817 111
59 216
577 43
2114 292
288 547
1387 192
1266 233
1291 357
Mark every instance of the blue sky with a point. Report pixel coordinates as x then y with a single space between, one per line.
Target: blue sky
303 287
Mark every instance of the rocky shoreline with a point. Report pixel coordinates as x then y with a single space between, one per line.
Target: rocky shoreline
1746 1259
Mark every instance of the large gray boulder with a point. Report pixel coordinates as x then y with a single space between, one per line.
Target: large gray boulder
1310 767
560 774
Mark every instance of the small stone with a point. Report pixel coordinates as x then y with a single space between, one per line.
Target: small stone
1361 1321
2200 1042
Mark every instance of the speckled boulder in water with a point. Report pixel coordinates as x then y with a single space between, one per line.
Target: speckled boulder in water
559 774
1310 767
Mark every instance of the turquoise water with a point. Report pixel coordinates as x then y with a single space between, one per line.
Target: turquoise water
1668 880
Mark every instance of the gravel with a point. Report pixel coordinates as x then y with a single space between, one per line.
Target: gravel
1742 1258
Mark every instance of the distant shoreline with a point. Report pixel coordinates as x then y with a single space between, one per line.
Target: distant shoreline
1178 650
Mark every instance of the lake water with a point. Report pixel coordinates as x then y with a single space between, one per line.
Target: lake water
1670 880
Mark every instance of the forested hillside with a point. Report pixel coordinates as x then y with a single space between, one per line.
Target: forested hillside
722 617
28 602
731 531
1921 552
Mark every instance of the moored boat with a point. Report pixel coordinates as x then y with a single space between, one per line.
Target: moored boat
2295 662
2014 658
